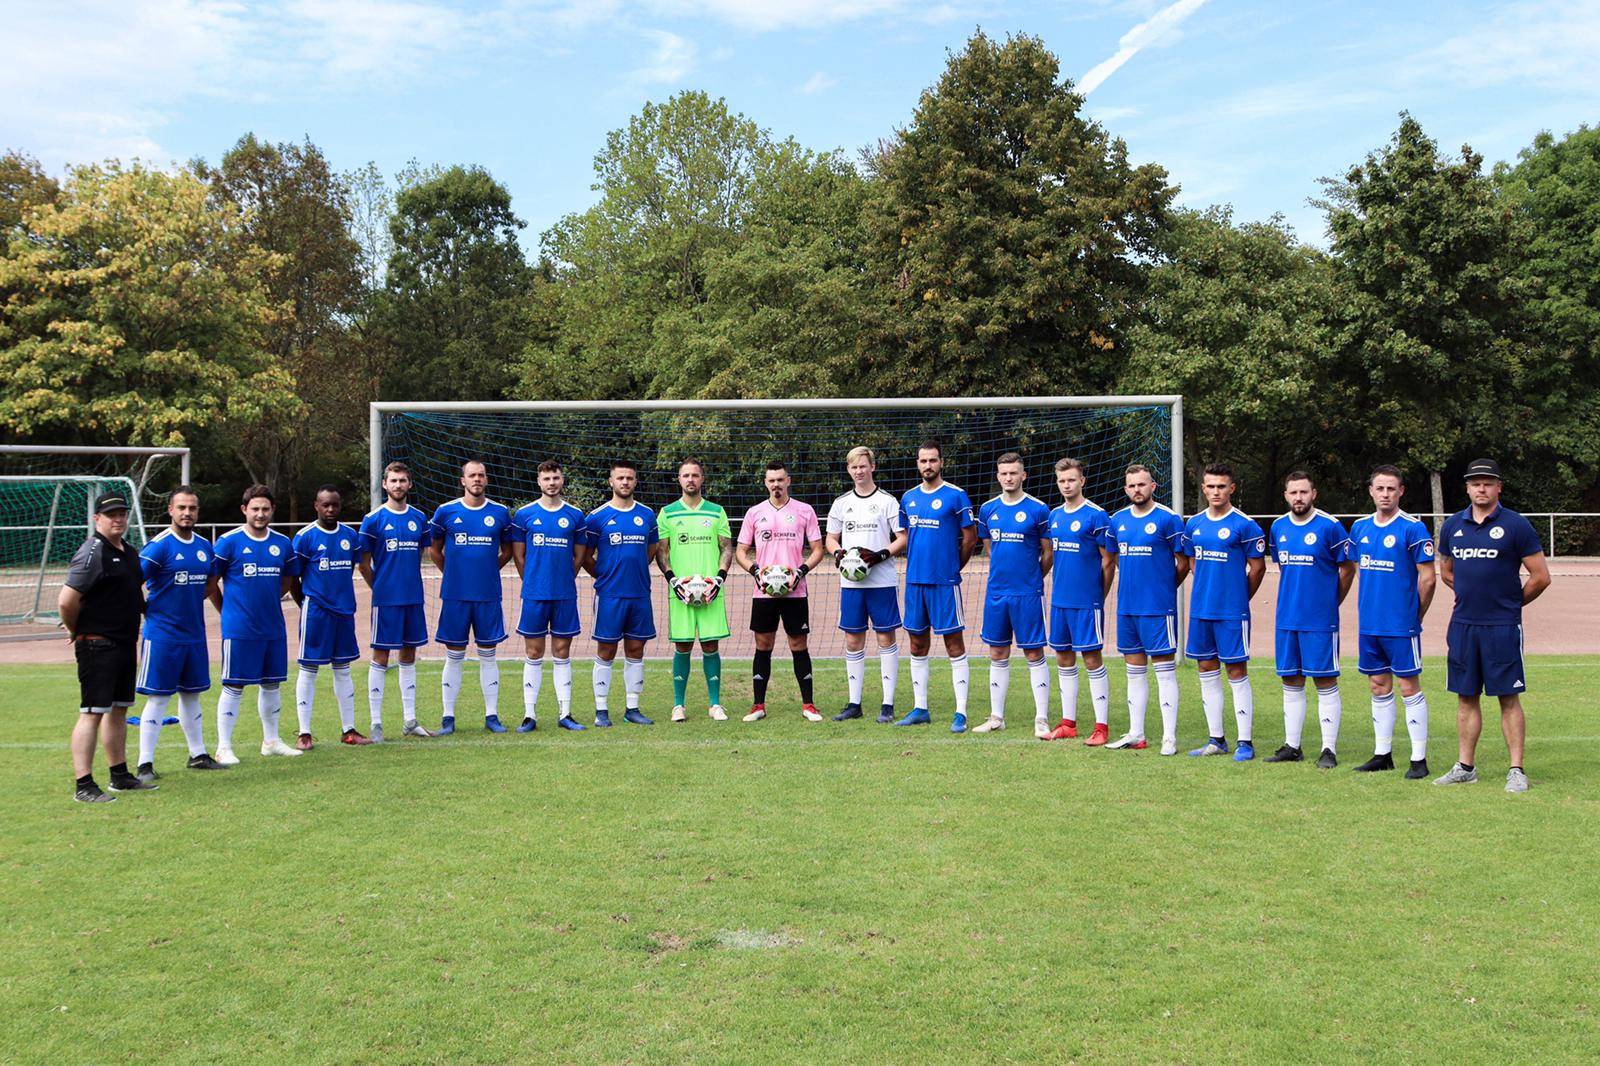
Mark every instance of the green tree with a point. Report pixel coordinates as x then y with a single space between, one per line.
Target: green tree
1010 233
1432 256
454 289
140 316
1555 189
1244 323
23 185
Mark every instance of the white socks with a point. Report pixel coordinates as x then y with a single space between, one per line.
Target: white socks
1211 701
1417 725
532 680
344 693
191 719
1167 693
561 674
269 702
155 709
1294 714
633 681
1138 697
1383 724
960 680
1039 681
999 686
889 672
1244 707
919 681
855 672
1330 711
408 692
602 684
489 681
376 674
305 690
1068 676
228 705
1100 694
450 682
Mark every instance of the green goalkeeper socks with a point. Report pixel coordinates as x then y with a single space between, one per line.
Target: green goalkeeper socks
680 677
713 667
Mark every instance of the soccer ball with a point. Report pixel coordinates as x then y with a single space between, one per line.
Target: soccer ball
852 566
774 580
698 589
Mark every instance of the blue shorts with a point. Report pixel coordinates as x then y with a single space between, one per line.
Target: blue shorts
405 626
1302 653
1400 656
1226 640
880 605
1008 618
255 662
1149 634
632 618
934 606
168 666
1486 659
559 618
1077 628
484 618
326 637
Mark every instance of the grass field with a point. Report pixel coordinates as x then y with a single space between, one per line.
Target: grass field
803 892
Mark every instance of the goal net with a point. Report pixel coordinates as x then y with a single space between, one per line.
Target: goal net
47 510
736 440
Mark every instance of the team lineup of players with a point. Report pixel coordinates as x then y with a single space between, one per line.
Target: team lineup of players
1080 548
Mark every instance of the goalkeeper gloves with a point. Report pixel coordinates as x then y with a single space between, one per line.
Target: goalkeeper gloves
873 556
676 584
716 585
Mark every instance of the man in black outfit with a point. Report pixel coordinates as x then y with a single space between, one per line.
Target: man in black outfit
101 602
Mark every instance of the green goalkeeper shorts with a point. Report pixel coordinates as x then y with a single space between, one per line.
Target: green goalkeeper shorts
708 621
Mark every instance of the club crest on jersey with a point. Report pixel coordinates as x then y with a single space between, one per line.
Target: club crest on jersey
638 521
788 519
344 544
410 525
1224 534
488 520
937 504
272 549
1496 533
562 522
1149 527
1388 542
1311 538
1021 516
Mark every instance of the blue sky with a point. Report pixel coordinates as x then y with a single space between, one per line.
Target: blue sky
1244 102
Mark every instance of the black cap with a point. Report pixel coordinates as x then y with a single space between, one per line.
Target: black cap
107 502
1484 468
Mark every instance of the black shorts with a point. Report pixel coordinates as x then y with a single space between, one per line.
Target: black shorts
795 612
106 673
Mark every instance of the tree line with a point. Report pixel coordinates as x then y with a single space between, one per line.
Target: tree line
1001 242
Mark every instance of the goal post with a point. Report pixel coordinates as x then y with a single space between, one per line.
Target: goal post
736 438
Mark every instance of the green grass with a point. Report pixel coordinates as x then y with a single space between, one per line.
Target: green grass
799 892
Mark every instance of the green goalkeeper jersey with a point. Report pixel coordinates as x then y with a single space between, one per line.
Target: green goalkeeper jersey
692 536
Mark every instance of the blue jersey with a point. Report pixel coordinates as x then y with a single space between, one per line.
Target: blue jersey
1388 554
934 521
328 566
1077 536
1147 579
549 537
395 540
252 573
1014 532
622 541
470 538
1220 548
1309 554
1488 564
175 574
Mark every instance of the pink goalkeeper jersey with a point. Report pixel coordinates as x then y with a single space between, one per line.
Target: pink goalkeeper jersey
779 536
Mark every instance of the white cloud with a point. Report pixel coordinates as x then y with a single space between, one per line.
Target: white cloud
1155 30
671 62
765 15
817 83
1548 44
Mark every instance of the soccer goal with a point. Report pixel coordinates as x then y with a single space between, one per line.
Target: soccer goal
47 499
736 439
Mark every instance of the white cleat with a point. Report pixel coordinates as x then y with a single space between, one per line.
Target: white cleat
415 728
226 757
277 747
1041 728
1169 745
993 725
679 714
717 713
1127 740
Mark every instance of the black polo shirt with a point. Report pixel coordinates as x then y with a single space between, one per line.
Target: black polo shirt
112 586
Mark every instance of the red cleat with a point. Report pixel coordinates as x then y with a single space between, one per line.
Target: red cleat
305 743
1066 730
352 737
1101 734
758 711
810 713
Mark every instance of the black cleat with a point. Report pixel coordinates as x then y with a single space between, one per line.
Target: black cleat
204 761
147 772
1327 760
1418 771
886 715
131 783
90 793
1377 762
851 710
1286 754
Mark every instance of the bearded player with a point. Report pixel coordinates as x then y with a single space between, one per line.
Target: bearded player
783 532
471 542
620 539
942 536
696 541
546 545
1017 527
1085 562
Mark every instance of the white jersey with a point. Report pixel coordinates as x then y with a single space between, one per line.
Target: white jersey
867 522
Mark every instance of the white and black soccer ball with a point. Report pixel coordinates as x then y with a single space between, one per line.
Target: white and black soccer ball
852 566
697 589
775 580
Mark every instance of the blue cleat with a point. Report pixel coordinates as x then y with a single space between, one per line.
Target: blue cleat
851 710
446 727
886 715
528 725
170 719
602 719
1214 746
634 715
958 724
566 721
492 723
133 719
1244 751
917 717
